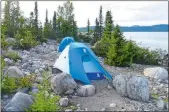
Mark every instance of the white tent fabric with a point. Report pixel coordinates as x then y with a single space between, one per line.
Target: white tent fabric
62 62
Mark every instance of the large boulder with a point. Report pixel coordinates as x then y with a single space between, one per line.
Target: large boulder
86 90
134 87
14 71
138 88
120 83
62 82
156 72
19 102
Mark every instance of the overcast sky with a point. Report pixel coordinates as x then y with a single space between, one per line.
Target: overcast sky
125 13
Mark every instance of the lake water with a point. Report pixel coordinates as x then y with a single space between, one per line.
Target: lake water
149 39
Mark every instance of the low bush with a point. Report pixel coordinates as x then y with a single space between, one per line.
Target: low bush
43 102
25 41
4 43
8 85
12 55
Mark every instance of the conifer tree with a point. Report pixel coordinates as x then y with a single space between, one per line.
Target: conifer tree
116 55
100 23
54 25
88 26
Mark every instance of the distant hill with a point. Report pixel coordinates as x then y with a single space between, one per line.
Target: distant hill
136 28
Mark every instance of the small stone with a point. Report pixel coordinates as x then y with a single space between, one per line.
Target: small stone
160 104
166 105
68 110
63 102
78 105
5 96
86 109
112 105
103 109
36 71
34 91
109 87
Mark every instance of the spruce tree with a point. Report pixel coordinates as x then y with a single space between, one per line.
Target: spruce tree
54 25
36 19
116 55
88 26
96 32
108 26
6 22
100 23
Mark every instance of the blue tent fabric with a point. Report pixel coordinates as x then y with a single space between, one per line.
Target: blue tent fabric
84 65
66 41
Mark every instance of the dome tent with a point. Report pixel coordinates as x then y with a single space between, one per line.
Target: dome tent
65 41
81 63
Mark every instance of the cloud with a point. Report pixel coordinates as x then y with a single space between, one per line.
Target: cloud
124 12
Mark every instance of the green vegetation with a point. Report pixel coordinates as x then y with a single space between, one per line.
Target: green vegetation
119 52
12 55
10 84
44 102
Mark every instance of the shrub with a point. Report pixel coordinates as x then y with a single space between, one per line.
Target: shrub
45 103
25 41
101 47
8 85
25 81
4 43
12 55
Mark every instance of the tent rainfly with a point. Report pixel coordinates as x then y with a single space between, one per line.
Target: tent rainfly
65 41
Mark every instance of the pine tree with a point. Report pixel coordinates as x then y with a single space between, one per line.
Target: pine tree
88 26
36 19
96 32
103 45
100 22
46 26
54 25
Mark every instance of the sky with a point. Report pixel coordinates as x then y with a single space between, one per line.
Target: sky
125 13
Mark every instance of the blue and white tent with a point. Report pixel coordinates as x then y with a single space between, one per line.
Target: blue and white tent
81 63
65 41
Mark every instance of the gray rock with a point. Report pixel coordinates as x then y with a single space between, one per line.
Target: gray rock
39 79
64 102
113 105
166 105
19 102
14 71
10 40
160 104
62 82
138 88
156 72
109 87
134 87
5 96
8 61
69 92
120 83
23 90
34 91
86 90
68 110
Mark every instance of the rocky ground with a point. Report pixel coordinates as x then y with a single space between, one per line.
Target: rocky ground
42 57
